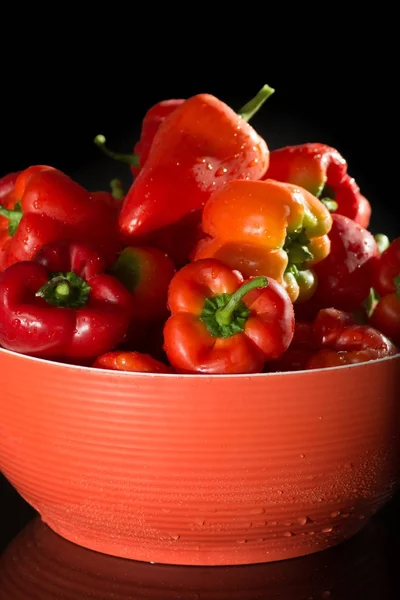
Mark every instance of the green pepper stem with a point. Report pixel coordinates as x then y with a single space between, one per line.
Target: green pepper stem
382 241
249 110
117 189
130 159
62 290
370 302
65 290
223 316
330 204
14 215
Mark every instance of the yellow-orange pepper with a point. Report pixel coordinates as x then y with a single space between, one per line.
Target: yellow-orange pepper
268 228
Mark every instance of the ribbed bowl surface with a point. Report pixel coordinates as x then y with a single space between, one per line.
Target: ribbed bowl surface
201 470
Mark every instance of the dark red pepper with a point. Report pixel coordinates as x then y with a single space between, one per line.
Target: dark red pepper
63 305
384 307
146 272
345 275
333 339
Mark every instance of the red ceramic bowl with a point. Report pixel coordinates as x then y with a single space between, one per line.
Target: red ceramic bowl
200 470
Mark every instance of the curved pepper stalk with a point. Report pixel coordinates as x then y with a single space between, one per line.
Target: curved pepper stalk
222 324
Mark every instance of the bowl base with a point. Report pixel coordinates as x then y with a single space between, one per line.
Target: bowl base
247 553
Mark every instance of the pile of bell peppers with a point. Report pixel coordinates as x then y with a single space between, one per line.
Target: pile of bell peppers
223 257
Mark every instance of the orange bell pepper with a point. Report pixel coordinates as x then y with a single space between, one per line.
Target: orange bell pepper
268 228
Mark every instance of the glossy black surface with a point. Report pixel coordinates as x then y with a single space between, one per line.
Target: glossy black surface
36 564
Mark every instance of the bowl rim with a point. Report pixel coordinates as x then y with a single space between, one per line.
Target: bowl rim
196 376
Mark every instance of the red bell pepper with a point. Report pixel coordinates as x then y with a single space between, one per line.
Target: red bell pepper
7 185
387 268
7 201
51 206
267 228
113 198
322 171
386 315
384 311
200 146
136 362
345 275
146 272
334 338
150 125
62 305
221 324
177 240
354 344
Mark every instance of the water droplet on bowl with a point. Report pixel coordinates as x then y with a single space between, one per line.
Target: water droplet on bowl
175 537
288 534
303 520
335 513
302 455
327 530
257 511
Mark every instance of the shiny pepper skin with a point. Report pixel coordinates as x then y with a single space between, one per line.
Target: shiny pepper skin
345 276
50 206
135 362
200 146
334 338
62 305
220 323
386 283
321 170
267 228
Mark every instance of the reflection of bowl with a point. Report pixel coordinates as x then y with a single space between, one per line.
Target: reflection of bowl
201 470
40 560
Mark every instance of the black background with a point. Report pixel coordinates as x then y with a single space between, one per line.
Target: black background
344 100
